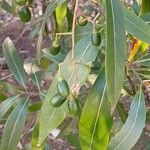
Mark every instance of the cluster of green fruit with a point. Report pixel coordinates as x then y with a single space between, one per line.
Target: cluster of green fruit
23 11
95 36
82 21
63 95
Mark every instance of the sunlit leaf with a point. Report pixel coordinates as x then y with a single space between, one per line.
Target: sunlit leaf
95 121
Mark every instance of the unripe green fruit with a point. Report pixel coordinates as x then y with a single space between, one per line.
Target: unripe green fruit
55 48
82 21
96 38
21 2
57 100
73 107
63 88
24 14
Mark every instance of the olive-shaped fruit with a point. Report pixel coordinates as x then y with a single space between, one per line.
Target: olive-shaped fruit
24 14
21 2
82 21
55 49
63 88
57 100
96 38
73 107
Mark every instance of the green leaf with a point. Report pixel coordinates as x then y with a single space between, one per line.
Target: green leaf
50 117
136 26
5 105
48 12
34 140
95 121
14 62
14 126
145 7
7 7
144 60
129 134
61 12
116 51
85 53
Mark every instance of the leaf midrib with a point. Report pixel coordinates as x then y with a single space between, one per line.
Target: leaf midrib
134 123
16 123
98 113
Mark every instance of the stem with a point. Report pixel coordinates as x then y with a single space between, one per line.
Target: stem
135 73
73 28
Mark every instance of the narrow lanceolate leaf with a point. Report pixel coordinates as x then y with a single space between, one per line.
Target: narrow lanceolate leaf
14 126
34 140
144 60
145 6
61 12
14 62
5 105
126 138
49 10
7 7
50 116
95 121
136 26
116 50
135 47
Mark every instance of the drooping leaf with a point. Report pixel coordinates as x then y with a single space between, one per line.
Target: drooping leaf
95 121
136 26
34 139
115 51
14 62
49 10
14 126
5 105
36 78
126 138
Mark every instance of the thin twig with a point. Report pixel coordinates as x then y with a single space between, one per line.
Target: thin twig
4 78
73 28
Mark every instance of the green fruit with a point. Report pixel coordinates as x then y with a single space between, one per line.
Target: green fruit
96 38
73 107
82 21
24 14
57 100
55 48
63 88
21 2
